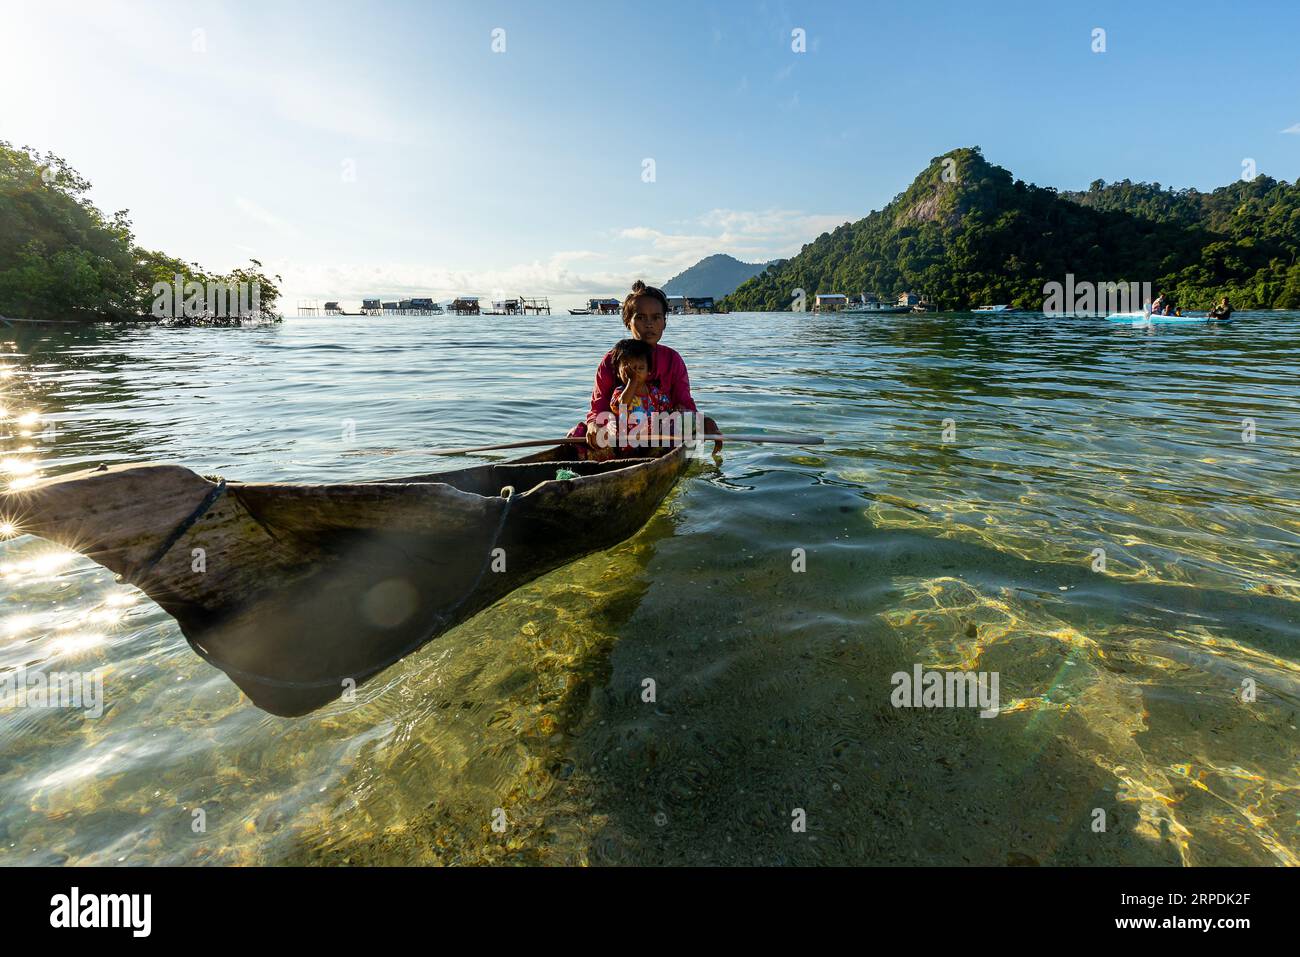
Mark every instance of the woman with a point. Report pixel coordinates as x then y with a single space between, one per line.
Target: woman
645 312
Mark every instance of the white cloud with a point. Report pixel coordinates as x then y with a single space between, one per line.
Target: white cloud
750 235
568 277
1293 128
772 224
264 217
576 255
320 102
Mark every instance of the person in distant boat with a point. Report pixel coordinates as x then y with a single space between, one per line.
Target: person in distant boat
1223 310
1157 305
645 311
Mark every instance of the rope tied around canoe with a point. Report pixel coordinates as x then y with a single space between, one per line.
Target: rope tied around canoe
507 493
179 531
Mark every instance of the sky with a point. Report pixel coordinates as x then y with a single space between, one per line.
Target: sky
393 149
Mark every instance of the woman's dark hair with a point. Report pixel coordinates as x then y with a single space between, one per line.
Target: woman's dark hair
640 289
626 349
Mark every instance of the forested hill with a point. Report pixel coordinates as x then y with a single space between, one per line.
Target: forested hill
715 276
966 233
1264 209
62 258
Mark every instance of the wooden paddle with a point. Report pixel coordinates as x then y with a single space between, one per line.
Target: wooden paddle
664 440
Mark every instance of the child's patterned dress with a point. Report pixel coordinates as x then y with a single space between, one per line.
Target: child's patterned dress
638 415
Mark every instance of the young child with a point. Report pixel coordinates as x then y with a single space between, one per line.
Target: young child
635 400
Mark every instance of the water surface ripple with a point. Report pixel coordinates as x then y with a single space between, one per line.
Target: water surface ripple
972 468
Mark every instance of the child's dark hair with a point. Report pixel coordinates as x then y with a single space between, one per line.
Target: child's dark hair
626 349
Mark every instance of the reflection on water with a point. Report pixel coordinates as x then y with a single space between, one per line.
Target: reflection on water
1105 516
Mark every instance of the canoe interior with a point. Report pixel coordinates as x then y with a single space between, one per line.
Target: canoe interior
523 473
301 592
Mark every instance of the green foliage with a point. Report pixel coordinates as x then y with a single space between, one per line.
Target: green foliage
965 233
1252 256
61 258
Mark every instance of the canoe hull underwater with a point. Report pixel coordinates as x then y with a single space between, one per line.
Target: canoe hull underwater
299 593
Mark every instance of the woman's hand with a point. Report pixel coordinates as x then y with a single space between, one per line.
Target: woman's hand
602 434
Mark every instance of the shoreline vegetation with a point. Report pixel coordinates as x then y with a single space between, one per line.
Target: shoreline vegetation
63 260
965 234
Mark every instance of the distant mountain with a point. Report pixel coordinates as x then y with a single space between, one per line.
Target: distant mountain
715 276
966 233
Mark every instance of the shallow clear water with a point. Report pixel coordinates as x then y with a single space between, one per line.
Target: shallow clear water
965 546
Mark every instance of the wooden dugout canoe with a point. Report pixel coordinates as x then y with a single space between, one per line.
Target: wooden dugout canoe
300 591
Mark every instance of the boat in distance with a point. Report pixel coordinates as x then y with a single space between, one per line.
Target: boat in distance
1157 319
873 309
301 592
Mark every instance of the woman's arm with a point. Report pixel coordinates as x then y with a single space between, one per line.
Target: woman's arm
603 389
679 393
599 415
677 383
